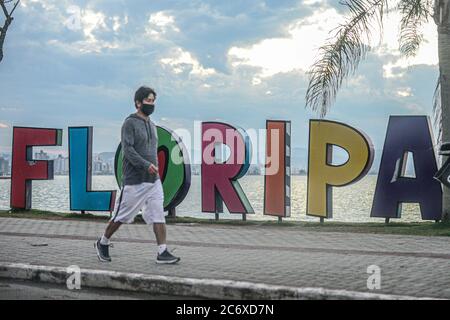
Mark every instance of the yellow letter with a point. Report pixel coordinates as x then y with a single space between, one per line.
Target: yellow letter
322 175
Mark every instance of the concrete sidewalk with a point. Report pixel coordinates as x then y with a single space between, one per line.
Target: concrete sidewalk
237 258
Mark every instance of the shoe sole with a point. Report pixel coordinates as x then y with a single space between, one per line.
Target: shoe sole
168 261
98 254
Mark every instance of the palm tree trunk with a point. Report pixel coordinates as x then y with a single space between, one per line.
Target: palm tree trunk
442 18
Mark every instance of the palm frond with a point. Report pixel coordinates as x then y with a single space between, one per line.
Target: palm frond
342 54
414 14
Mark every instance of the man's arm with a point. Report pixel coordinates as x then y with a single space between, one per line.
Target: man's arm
128 148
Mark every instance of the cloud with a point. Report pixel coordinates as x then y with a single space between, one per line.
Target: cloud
297 51
92 21
404 92
119 22
72 28
86 46
182 61
95 27
3 126
313 2
161 23
397 64
46 4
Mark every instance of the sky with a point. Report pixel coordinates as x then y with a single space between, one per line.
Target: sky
78 63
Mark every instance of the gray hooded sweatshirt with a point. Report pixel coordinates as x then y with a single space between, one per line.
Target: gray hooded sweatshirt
139 145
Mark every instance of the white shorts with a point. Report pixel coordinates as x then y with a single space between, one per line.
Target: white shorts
148 197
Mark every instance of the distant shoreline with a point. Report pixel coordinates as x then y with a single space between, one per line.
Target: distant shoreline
112 175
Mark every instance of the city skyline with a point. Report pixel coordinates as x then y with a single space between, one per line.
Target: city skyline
102 166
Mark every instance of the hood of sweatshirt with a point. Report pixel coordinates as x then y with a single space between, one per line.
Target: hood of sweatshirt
147 122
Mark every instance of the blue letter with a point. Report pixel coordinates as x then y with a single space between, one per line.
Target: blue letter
80 174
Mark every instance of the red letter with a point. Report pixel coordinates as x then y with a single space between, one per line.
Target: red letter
277 194
220 180
24 168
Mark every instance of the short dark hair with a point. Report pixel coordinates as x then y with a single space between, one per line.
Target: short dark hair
143 93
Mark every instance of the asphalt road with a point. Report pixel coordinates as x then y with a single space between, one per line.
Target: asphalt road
27 290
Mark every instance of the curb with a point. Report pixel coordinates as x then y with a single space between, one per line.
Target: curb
184 287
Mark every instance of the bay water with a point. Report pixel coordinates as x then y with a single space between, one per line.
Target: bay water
350 204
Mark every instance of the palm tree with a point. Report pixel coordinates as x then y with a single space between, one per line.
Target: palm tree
8 19
341 55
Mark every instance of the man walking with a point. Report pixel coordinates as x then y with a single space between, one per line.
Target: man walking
142 188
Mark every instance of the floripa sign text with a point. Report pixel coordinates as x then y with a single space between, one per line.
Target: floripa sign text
220 179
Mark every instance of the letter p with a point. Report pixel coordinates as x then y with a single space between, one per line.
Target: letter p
322 174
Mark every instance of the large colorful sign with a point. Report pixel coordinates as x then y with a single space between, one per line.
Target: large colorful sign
277 178
322 174
407 134
174 167
24 168
82 198
226 156
220 179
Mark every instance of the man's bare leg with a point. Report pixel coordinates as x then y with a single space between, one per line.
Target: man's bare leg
112 228
160 233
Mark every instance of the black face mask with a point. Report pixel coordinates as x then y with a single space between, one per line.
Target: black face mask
147 109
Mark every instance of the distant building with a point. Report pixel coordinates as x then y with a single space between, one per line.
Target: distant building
101 167
97 166
41 156
61 165
4 167
195 169
298 172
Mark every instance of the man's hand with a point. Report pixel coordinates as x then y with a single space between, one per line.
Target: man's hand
153 169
